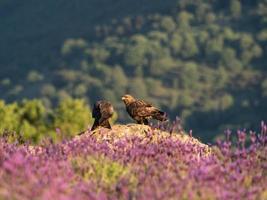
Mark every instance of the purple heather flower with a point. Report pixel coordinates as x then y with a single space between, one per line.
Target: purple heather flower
138 168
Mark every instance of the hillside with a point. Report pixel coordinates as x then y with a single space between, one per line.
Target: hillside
203 61
135 162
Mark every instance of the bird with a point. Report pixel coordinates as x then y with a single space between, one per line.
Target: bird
102 112
142 111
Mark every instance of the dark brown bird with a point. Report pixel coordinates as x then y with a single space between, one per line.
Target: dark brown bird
141 111
102 111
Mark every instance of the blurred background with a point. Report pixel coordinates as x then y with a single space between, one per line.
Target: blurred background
202 60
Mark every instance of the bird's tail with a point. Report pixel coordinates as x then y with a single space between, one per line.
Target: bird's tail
95 125
159 115
106 124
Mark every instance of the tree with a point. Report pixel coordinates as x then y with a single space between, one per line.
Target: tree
189 48
229 60
137 88
167 24
9 117
98 53
33 111
235 8
34 76
184 19
161 65
185 100
189 75
135 51
28 132
159 36
225 102
80 90
72 116
176 43
249 48
118 81
210 18
214 48
70 45
48 90
33 120
262 36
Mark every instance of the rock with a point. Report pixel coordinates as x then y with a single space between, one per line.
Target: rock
143 131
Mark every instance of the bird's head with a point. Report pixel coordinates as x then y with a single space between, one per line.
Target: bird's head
127 99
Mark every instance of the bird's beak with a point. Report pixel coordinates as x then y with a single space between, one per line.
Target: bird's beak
122 98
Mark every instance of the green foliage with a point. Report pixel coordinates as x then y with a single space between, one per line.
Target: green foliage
27 120
167 24
226 101
48 90
70 45
156 65
263 35
103 172
118 80
72 116
29 132
176 43
80 90
30 121
9 117
135 51
34 76
189 75
98 54
189 47
184 19
235 8
33 111
138 88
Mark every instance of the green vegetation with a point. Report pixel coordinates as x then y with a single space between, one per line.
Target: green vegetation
30 121
201 60
103 172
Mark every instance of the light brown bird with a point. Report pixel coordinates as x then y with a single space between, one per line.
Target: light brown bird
142 111
102 112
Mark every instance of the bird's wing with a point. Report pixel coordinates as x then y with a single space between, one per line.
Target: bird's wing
96 110
106 110
143 103
142 111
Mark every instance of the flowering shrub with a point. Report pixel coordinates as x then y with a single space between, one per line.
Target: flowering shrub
138 165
